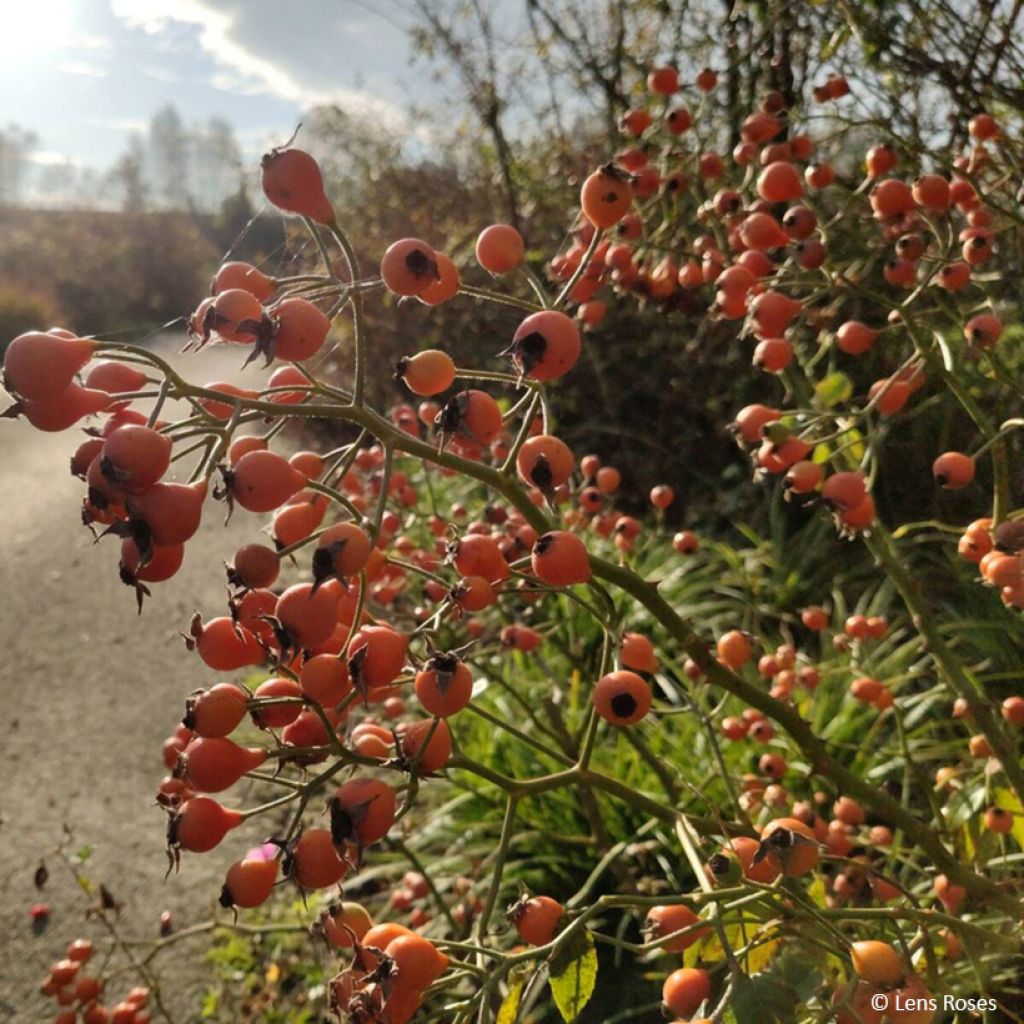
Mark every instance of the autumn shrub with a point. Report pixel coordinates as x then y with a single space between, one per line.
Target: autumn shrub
106 271
22 308
523 750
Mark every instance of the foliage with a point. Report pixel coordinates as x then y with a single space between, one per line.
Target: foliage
142 269
23 308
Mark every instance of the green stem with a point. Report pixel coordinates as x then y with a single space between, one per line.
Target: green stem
505 300
580 270
499 865
358 329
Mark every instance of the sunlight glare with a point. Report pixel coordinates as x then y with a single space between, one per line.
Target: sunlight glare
35 26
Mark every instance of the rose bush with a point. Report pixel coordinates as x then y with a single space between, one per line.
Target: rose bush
592 746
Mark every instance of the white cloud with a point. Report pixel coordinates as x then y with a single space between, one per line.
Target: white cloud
154 15
240 85
358 29
51 158
83 68
89 41
296 52
161 74
118 124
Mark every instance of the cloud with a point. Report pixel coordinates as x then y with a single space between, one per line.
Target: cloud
83 68
240 85
89 41
313 52
161 75
51 158
118 124
154 15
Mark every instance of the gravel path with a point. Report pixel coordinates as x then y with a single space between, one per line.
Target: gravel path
91 690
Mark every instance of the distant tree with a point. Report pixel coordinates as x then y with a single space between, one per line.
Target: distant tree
168 152
16 144
56 183
466 36
88 186
349 148
215 165
235 213
143 269
239 232
127 178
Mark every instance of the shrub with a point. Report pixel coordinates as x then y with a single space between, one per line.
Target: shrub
811 752
23 309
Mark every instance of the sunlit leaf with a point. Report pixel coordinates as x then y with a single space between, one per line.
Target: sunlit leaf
816 892
509 1009
760 956
1008 802
211 1003
710 950
574 689
837 39
834 389
572 974
947 354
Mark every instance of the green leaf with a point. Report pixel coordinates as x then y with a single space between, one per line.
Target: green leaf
762 998
854 440
1008 802
947 353
760 956
509 1009
572 973
816 892
969 840
834 389
710 950
211 1003
838 38
803 970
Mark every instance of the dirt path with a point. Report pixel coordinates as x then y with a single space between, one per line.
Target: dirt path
90 691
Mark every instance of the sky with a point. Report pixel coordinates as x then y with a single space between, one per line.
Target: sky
86 74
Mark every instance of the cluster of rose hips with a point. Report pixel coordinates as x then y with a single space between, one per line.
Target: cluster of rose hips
323 657
78 993
760 250
391 968
790 847
879 969
996 550
736 651
765 789
342 643
306 630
